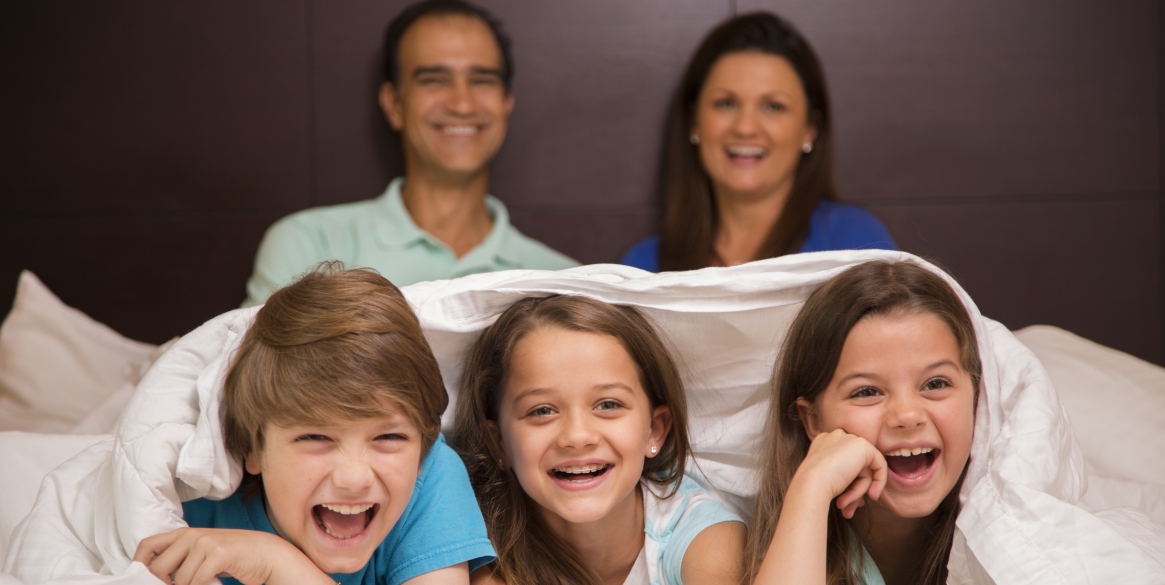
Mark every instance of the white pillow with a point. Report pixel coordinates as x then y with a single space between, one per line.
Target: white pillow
57 364
1115 402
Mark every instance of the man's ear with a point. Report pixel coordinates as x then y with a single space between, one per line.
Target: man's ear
390 105
253 464
660 427
509 103
808 417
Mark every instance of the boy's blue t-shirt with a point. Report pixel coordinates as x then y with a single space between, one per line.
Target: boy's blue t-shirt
440 527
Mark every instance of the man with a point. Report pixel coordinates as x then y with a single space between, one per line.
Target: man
447 91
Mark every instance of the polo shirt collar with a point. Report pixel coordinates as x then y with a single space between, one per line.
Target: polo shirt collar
395 228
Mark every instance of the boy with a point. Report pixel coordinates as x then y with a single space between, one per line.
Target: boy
333 403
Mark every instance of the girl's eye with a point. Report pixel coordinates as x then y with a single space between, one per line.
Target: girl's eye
865 392
392 437
937 384
608 405
541 411
311 437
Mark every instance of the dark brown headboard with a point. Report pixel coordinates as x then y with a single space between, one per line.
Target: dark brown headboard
147 145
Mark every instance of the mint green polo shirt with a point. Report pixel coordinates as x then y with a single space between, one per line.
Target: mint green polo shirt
379 233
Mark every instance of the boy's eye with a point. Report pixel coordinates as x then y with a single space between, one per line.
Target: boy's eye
608 405
392 437
937 384
865 392
311 437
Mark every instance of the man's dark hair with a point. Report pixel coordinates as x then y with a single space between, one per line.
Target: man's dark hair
396 29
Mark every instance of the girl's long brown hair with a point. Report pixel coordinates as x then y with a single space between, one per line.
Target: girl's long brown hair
528 552
807 363
688 232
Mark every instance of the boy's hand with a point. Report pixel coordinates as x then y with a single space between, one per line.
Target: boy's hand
848 467
194 556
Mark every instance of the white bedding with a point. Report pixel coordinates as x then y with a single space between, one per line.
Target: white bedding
1026 519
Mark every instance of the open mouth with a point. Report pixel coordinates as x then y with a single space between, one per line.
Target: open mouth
342 521
745 153
580 473
459 129
911 463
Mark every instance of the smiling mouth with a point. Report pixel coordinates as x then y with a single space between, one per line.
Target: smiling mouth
342 521
459 129
581 473
911 463
745 152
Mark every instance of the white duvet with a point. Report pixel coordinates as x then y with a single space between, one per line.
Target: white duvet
1022 521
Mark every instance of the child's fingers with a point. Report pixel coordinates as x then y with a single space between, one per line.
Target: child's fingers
879 471
152 546
854 495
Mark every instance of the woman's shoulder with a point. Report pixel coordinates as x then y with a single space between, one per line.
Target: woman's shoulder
644 255
836 225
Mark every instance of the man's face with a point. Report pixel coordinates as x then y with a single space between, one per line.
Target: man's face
451 105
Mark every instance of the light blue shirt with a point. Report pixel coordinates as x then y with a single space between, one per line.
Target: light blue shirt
380 234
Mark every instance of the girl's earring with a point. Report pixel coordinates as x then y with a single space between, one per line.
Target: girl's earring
654 449
694 139
807 147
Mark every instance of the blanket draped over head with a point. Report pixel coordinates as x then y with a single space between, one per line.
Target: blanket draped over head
1021 521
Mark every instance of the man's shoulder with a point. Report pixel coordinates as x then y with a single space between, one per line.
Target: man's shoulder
327 218
531 253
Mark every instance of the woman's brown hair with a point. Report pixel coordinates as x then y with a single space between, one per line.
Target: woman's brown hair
528 552
806 366
688 233
335 347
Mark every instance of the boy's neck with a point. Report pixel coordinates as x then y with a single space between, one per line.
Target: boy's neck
608 546
896 544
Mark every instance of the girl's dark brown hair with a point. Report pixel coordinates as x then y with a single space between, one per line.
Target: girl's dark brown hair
689 211
806 366
528 552
335 347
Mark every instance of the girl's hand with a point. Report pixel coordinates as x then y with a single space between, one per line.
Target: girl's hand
845 466
194 556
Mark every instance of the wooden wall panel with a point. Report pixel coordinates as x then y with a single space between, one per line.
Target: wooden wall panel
146 145
1089 266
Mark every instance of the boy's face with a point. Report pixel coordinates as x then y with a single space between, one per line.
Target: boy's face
335 492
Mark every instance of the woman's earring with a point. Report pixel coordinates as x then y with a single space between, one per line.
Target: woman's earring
807 147
654 449
694 139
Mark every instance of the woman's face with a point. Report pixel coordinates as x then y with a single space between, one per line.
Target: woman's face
752 120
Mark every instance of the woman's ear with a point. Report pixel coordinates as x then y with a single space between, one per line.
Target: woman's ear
807 414
660 427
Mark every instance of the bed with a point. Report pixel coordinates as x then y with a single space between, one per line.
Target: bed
1067 484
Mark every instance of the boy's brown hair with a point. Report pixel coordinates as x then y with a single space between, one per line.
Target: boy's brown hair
336 346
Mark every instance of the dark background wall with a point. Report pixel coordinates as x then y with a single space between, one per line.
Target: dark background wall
146 146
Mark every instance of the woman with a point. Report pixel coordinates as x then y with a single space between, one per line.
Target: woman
748 170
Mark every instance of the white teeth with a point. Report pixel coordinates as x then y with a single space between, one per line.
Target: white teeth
746 151
334 535
459 130
908 452
580 469
347 510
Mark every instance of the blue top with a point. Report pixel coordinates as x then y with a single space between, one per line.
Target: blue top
833 226
440 527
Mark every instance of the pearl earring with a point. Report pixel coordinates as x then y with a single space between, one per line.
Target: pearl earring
654 449
807 147
694 139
